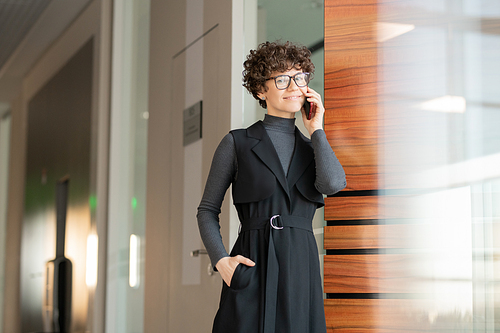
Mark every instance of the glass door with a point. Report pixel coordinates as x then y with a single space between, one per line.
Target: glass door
127 173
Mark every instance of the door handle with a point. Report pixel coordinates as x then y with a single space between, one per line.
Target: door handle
196 253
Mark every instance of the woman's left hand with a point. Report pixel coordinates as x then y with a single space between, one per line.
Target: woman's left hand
318 111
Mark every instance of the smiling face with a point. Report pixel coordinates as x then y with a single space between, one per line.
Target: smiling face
284 103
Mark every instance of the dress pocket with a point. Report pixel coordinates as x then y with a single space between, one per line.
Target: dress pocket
242 277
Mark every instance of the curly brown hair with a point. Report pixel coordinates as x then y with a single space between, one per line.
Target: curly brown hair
273 57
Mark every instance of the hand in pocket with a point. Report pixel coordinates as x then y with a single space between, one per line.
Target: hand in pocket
227 266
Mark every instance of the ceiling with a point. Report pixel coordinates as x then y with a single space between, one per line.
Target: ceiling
27 29
16 19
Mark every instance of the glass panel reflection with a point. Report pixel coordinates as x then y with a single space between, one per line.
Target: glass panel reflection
439 144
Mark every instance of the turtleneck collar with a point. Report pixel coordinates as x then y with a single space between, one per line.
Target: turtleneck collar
286 125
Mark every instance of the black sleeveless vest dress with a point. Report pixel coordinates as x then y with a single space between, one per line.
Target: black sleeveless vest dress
282 293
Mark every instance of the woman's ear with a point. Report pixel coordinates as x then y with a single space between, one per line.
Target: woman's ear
261 96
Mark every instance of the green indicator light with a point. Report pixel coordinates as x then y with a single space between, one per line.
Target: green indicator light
134 203
93 202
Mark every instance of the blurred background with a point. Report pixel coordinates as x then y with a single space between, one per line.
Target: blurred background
128 100
413 93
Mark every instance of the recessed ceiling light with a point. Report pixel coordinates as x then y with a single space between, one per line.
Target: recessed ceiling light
448 103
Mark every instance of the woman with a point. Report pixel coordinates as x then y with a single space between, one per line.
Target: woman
272 281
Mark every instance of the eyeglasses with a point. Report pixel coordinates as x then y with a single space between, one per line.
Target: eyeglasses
282 82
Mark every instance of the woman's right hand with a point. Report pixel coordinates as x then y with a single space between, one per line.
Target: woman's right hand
227 265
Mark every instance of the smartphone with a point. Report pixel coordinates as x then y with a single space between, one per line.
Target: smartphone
308 109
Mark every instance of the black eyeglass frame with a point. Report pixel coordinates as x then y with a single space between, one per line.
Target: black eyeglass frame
290 77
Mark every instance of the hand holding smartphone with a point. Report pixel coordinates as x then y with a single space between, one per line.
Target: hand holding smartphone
308 109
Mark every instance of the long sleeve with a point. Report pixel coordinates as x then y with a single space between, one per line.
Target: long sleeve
222 173
330 175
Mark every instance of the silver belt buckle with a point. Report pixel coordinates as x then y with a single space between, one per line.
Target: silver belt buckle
271 222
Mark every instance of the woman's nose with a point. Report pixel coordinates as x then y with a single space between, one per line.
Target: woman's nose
293 85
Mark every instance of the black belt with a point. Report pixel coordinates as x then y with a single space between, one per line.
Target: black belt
275 223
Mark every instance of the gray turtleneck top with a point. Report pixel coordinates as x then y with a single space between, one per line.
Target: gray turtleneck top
330 176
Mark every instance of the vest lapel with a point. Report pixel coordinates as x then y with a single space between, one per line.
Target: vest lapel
264 149
303 155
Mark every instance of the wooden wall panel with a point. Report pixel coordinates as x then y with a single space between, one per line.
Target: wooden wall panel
388 64
352 237
372 315
351 208
372 273
381 207
353 128
349 237
351 89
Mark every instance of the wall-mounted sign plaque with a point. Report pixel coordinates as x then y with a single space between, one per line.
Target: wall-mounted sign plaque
192 123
